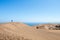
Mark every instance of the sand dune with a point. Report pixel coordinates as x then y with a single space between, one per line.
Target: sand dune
48 26
20 31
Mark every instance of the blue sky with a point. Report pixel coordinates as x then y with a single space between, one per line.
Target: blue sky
30 10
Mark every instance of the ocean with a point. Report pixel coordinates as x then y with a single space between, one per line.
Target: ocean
33 24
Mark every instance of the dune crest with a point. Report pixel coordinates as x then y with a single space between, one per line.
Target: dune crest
10 31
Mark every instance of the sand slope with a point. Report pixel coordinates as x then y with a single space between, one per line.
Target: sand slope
48 26
21 31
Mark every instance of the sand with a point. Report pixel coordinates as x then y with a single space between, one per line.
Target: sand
21 31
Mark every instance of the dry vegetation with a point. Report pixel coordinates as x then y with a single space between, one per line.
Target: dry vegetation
4 36
48 26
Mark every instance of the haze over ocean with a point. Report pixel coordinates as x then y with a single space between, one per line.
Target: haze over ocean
30 11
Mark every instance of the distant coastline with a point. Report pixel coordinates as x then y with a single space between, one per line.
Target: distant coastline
33 24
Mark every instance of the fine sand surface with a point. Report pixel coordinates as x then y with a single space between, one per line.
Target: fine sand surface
20 31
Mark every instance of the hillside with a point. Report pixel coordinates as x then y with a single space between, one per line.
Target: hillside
48 26
21 31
